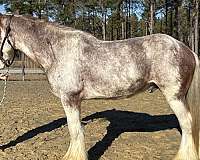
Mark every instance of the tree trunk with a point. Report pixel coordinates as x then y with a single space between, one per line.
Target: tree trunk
129 20
192 33
196 37
93 22
112 35
103 21
82 19
123 22
176 19
166 17
152 10
146 28
119 17
161 25
73 13
123 29
189 24
171 21
118 35
126 21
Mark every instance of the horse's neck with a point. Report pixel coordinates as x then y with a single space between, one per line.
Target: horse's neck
41 58
35 44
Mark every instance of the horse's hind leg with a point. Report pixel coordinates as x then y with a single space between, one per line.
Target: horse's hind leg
187 149
76 149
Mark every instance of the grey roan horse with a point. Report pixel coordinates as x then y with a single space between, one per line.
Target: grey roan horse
79 66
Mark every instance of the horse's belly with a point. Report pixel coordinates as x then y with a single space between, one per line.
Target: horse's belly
112 90
114 79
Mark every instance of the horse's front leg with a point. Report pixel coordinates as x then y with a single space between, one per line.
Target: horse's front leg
76 149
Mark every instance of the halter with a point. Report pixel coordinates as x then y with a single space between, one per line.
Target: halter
7 63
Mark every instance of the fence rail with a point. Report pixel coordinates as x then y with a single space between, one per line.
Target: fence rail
26 71
24 74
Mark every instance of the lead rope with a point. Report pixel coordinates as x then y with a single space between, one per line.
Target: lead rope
4 90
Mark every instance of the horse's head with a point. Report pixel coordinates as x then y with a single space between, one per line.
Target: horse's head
7 51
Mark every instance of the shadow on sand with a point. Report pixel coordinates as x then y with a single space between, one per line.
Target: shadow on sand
120 122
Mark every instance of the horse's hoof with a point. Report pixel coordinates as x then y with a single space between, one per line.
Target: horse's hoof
184 157
74 157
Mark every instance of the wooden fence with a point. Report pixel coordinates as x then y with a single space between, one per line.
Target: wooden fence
23 66
22 61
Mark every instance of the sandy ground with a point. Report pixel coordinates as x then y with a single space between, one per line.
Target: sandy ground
33 126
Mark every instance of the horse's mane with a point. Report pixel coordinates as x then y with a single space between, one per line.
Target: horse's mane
43 21
54 26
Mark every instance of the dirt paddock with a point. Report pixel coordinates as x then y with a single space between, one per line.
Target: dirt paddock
33 126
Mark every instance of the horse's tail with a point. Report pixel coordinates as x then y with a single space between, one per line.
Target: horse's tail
193 99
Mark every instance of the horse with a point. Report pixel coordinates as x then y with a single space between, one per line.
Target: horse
79 66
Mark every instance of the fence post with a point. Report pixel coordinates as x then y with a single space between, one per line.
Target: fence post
23 67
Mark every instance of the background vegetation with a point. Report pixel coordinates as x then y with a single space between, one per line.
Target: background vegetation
119 19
